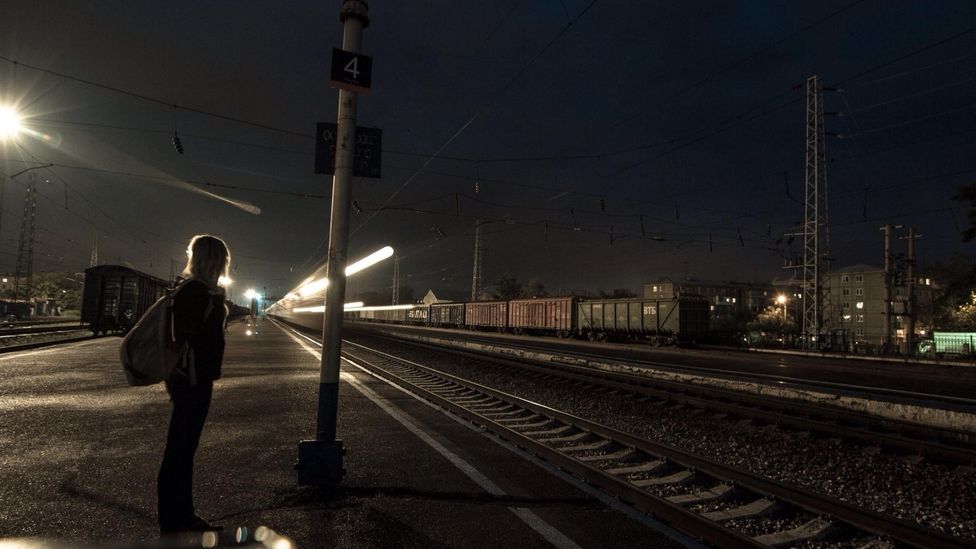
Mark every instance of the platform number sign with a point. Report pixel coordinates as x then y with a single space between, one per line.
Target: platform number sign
351 71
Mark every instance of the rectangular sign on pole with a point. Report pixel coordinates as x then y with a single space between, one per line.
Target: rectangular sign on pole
351 71
367 151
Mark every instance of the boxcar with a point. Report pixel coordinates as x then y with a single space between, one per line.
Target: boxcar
447 315
486 315
669 321
552 315
417 315
115 297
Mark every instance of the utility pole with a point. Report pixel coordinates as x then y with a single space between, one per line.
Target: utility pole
396 279
93 256
476 268
24 271
814 218
910 303
320 460
888 280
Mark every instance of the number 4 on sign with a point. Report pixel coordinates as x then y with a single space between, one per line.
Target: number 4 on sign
351 71
352 67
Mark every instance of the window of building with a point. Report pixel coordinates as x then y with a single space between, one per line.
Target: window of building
654 288
860 318
859 304
858 278
846 305
859 331
845 291
845 279
859 291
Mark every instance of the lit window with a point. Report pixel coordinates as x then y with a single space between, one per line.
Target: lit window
859 305
655 288
928 282
859 291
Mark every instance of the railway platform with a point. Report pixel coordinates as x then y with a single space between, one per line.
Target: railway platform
80 452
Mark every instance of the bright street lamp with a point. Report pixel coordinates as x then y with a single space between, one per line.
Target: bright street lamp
781 300
250 294
10 124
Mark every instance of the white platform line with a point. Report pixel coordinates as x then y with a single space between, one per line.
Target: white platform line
544 529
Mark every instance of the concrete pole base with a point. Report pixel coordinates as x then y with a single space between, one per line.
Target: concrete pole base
320 463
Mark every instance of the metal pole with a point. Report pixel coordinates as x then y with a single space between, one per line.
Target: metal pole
320 461
887 287
910 305
396 279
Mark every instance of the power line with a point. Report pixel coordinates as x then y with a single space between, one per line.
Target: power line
152 99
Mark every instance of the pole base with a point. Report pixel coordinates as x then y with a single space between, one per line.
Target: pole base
320 463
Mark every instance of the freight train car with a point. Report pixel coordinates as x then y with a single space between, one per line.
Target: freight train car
547 315
447 315
115 297
661 321
486 315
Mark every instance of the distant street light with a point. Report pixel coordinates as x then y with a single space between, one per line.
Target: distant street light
781 300
250 294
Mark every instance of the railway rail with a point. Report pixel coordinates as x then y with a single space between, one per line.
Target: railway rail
11 338
945 445
714 502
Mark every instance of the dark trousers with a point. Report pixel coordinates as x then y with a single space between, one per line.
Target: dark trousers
175 482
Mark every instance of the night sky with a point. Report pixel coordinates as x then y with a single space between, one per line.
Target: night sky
571 116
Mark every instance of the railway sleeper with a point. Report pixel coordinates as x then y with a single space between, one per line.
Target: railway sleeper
715 493
516 420
490 407
579 436
535 425
624 454
592 447
817 528
546 432
681 477
646 467
757 508
509 410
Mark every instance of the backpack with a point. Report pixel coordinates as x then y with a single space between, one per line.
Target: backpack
149 352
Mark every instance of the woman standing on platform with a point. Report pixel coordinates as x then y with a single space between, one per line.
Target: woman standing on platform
200 319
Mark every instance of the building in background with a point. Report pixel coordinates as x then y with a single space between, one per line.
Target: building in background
726 299
857 296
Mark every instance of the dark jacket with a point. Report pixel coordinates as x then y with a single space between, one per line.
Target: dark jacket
200 315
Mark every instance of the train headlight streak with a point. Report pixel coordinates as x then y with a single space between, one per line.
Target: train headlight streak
369 260
382 308
312 286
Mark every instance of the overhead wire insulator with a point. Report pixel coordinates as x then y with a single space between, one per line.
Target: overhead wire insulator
355 206
177 143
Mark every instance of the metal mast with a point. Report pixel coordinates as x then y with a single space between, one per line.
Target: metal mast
476 268
24 272
93 256
396 279
814 219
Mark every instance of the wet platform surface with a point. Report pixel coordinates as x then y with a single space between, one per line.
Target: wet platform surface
79 453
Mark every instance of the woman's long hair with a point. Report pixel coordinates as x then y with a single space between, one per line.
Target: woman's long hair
207 259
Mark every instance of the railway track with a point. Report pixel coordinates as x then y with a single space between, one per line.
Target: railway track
11 339
941 445
710 501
